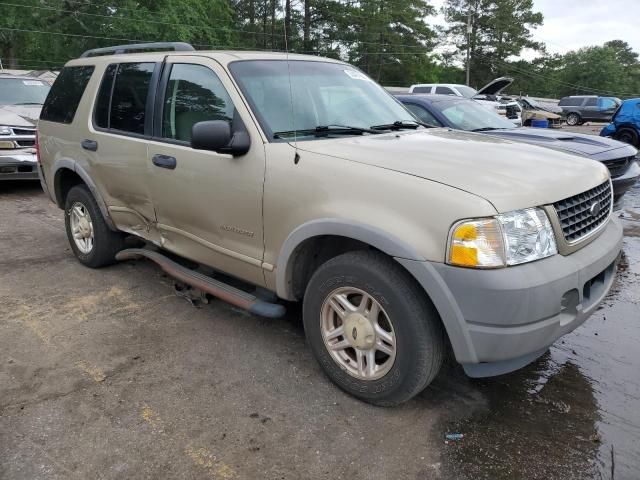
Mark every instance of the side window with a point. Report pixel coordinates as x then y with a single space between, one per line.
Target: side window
423 114
65 95
444 91
129 100
422 90
103 102
591 102
194 94
608 103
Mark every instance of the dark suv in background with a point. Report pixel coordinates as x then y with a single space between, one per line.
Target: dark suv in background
584 108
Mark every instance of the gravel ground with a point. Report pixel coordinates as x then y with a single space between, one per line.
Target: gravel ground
107 374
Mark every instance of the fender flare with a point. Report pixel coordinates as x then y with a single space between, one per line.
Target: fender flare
416 265
370 235
70 164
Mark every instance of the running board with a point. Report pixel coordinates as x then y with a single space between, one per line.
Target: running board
229 294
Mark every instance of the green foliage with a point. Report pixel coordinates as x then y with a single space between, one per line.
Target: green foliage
499 29
391 40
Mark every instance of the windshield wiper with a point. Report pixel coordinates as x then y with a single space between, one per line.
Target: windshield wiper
323 130
28 103
400 124
485 129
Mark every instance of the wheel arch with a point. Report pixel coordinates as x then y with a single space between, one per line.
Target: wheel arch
340 236
302 242
66 174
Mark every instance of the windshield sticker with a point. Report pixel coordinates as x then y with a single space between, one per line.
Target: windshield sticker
33 83
357 75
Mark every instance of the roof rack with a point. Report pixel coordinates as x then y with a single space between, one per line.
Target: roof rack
118 49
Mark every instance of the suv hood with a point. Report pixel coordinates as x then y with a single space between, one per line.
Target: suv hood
507 174
20 115
495 86
586 145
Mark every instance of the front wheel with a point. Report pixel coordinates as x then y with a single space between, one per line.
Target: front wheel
573 119
91 240
372 328
627 135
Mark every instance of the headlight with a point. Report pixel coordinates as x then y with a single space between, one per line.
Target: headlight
508 239
5 130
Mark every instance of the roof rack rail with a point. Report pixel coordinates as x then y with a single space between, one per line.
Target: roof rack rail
118 49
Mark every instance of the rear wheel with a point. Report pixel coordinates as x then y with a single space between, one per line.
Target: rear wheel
91 240
372 328
573 119
627 135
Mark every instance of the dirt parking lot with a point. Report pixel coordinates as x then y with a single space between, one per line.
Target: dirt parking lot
107 374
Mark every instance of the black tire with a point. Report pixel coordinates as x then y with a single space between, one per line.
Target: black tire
627 135
419 335
573 119
106 242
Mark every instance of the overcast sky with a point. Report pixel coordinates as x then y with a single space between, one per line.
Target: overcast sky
571 24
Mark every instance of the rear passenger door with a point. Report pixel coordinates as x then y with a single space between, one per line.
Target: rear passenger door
122 125
590 109
208 204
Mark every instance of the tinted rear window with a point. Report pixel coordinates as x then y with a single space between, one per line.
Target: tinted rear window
66 93
422 90
129 101
103 102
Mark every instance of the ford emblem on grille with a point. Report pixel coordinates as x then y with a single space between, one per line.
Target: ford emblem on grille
595 208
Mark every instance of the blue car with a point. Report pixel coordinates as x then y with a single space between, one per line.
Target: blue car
465 114
625 123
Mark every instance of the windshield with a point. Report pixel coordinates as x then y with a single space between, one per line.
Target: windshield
466 92
471 116
323 94
19 91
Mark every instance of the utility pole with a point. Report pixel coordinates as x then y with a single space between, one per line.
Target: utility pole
468 45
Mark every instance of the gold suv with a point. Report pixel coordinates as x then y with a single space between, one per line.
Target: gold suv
304 179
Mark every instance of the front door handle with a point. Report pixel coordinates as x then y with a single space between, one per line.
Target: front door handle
90 145
164 161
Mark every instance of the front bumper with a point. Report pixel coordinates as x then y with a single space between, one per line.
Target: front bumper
500 320
18 165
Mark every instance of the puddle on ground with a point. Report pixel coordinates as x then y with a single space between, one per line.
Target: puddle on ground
574 413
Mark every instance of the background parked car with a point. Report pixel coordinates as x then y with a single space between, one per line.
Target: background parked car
465 114
585 108
488 95
535 110
625 123
21 100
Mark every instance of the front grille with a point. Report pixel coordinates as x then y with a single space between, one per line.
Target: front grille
577 215
618 166
26 143
512 112
19 132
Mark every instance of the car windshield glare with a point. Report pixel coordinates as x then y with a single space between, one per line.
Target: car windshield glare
469 115
319 94
23 91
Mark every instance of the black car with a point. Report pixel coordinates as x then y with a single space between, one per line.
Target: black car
584 108
464 114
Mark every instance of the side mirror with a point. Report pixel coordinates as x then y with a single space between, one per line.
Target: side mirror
216 136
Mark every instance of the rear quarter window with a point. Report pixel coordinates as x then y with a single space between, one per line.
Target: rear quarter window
65 94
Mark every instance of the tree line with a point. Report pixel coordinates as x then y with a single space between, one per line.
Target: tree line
391 40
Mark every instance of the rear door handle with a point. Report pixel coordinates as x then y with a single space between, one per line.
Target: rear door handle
90 145
164 161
